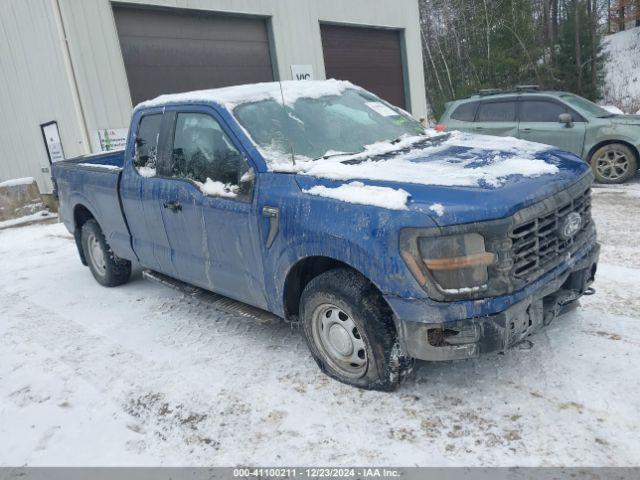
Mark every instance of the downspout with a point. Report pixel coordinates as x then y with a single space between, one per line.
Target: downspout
75 94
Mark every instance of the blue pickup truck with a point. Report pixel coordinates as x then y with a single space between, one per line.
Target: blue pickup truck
325 205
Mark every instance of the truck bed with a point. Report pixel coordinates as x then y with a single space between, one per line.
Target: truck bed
93 182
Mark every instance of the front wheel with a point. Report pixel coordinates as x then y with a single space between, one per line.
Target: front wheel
107 269
613 163
350 331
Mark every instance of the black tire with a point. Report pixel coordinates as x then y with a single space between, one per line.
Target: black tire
106 268
359 301
613 163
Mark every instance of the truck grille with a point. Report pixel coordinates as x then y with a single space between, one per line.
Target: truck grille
537 245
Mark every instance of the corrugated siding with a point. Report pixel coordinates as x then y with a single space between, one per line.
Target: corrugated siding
102 80
34 89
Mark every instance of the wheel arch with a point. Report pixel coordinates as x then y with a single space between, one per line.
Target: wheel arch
609 141
308 268
81 214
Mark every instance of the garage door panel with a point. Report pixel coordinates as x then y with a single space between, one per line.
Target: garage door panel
168 51
361 58
172 80
178 24
369 57
186 52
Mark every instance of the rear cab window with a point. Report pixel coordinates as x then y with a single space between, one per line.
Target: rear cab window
146 145
497 111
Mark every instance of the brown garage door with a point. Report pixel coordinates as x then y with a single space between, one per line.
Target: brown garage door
369 57
168 51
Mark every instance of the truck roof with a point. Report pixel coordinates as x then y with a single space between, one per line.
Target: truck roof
230 97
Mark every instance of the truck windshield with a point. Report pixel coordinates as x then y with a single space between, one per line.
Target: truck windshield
325 126
586 105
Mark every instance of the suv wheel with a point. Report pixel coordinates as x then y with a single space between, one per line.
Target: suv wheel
613 163
350 331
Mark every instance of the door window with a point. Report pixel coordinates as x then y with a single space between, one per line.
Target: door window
540 111
465 112
497 111
146 148
204 154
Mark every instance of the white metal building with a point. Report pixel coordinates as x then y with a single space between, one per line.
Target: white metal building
75 68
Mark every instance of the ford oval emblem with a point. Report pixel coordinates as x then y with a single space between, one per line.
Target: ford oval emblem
570 225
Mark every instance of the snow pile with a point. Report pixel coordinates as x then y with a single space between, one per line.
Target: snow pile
437 208
146 171
15 182
219 189
230 97
358 192
612 109
27 219
622 70
487 160
104 166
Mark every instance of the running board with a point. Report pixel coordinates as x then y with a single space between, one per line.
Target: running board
219 302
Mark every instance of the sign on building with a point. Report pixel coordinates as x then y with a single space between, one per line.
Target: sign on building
302 72
111 138
52 141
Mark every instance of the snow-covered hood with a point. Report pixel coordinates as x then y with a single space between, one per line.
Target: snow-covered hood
454 178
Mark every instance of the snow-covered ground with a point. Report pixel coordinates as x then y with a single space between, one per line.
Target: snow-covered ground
142 375
622 70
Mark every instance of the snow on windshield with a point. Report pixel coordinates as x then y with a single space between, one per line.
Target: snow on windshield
351 148
453 159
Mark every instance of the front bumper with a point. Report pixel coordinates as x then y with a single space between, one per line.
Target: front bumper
469 337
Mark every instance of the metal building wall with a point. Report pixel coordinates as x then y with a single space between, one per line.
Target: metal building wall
40 88
295 29
35 88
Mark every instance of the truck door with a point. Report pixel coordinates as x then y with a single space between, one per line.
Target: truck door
140 188
208 211
539 123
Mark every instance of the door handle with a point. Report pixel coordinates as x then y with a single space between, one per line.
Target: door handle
527 130
478 128
173 206
273 214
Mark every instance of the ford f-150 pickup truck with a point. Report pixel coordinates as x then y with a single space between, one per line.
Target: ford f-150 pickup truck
325 205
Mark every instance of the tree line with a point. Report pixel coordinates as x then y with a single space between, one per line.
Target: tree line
471 45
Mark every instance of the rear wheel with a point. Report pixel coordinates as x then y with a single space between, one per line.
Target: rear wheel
613 163
107 269
350 331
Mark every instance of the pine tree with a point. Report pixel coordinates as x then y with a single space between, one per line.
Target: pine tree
580 57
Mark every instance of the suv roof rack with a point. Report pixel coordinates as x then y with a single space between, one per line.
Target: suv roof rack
517 89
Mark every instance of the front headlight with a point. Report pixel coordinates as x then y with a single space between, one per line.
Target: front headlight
458 263
453 265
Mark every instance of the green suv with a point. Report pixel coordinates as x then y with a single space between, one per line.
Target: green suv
609 142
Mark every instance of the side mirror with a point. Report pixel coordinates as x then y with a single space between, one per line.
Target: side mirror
246 181
566 118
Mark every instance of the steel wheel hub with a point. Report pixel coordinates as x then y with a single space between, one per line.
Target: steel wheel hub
612 164
97 255
338 338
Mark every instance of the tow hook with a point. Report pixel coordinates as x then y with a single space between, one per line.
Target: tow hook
589 291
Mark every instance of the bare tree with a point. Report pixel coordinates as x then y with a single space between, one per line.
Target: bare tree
621 15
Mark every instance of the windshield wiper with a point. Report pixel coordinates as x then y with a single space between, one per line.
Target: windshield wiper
337 154
403 136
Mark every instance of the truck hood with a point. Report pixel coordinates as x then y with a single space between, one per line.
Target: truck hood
453 178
